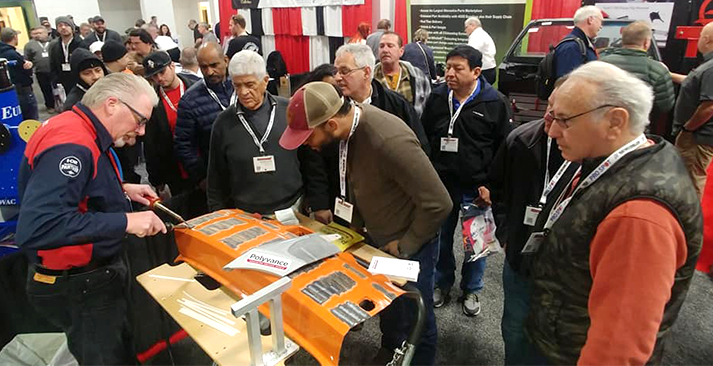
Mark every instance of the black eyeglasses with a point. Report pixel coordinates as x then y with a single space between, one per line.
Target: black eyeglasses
142 120
562 122
345 71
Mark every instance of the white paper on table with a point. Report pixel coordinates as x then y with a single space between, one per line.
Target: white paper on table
395 267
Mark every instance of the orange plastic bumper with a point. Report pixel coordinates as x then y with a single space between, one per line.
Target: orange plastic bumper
318 312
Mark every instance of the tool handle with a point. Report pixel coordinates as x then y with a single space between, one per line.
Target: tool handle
152 201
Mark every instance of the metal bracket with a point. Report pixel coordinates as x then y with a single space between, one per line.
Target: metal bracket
248 306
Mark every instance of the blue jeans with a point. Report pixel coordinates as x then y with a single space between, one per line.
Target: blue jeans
398 319
28 105
471 272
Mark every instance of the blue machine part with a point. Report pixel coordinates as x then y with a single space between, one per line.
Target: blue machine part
12 147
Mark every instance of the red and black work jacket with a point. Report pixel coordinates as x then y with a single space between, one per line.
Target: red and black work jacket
72 206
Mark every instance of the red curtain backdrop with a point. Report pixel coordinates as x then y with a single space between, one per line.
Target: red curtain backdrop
542 9
287 21
295 51
401 20
353 15
225 10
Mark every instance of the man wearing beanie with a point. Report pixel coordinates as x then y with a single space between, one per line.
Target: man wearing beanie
115 57
61 51
20 73
400 200
87 68
101 33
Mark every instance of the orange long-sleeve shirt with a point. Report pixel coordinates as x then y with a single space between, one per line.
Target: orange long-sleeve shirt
633 260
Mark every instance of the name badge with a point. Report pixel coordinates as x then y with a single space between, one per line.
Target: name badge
343 209
264 164
45 54
66 67
533 243
39 277
531 214
449 144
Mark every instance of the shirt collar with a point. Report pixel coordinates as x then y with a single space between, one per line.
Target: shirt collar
104 139
708 56
478 85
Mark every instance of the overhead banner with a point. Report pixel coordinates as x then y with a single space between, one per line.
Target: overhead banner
243 4
305 3
658 14
444 20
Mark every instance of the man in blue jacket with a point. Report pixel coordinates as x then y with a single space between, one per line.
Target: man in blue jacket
20 73
198 109
75 213
568 55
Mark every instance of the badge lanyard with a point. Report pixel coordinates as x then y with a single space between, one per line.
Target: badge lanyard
260 142
182 90
454 117
44 46
233 98
101 39
343 152
65 50
549 185
593 177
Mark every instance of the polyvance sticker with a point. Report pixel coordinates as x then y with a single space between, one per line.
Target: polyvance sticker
264 259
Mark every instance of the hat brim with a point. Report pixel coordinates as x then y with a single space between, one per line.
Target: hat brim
292 139
155 71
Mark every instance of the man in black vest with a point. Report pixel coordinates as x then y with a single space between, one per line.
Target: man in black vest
624 231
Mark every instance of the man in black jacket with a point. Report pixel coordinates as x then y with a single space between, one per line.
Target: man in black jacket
101 33
524 165
240 39
61 51
162 164
465 120
247 167
20 73
87 68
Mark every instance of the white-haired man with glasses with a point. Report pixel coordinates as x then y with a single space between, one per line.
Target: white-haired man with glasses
75 214
624 230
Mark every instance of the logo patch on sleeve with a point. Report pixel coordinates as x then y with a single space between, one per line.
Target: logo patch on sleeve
70 166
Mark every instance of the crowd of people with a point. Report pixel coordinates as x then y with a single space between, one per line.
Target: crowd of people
601 223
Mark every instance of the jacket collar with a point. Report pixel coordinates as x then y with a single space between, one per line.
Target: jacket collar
577 32
223 87
532 133
377 93
708 56
487 92
589 164
104 139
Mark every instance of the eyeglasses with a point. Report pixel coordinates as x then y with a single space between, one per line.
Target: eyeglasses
562 122
141 120
345 71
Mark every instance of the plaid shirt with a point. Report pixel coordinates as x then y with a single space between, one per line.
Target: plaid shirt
413 85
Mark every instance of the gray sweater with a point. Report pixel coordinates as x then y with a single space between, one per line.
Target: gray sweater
232 181
33 53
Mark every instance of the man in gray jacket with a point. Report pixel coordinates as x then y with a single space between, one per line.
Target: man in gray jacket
37 52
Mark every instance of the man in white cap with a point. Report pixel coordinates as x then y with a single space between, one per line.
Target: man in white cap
400 201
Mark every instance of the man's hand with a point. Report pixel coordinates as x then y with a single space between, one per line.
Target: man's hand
27 65
392 248
483 199
137 192
144 223
324 216
203 185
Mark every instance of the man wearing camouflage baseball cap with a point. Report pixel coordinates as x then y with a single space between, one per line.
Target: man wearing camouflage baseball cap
387 186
